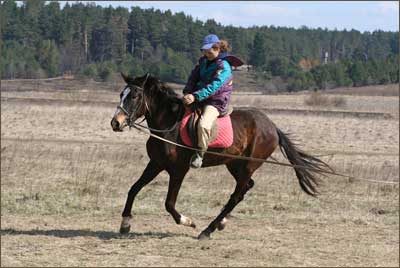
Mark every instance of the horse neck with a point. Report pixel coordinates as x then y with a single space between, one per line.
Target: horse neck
160 115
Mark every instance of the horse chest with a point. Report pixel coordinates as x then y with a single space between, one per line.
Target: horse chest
162 152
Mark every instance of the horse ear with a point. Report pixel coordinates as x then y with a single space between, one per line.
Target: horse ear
125 77
145 79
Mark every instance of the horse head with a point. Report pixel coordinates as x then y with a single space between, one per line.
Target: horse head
133 103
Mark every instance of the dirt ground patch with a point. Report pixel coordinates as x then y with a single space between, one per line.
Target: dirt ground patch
65 176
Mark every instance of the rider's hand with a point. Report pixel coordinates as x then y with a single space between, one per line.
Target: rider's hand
188 99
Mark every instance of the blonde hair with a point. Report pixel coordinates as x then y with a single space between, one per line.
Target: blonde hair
223 45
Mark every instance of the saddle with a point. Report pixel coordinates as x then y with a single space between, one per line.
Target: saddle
192 126
221 131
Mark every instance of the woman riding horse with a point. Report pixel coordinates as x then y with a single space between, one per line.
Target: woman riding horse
210 86
254 136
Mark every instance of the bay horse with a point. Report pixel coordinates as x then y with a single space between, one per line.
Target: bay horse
255 135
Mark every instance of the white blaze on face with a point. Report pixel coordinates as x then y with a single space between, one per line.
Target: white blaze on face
124 94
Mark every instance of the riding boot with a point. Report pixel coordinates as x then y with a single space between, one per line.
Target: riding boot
197 159
203 139
207 118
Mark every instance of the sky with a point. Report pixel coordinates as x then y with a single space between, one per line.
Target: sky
358 15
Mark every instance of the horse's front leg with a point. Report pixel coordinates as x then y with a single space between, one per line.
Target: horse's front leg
151 171
175 182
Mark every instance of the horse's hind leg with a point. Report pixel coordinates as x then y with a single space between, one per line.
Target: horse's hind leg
151 171
175 182
221 226
242 175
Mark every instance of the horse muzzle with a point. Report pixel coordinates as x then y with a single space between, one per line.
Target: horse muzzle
116 126
118 123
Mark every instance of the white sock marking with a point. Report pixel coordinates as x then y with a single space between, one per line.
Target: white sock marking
185 221
224 221
125 222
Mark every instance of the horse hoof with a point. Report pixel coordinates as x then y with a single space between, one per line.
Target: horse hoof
124 229
221 226
187 222
203 236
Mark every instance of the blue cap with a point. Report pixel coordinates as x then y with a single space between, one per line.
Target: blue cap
209 41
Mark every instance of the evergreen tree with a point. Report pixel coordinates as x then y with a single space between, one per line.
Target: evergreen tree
258 55
321 76
39 39
48 57
358 73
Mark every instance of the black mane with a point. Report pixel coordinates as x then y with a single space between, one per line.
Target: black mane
155 89
153 86
162 88
162 96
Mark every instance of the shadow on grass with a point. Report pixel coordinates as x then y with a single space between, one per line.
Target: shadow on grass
104 235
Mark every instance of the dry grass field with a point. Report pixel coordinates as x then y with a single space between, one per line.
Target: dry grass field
65 176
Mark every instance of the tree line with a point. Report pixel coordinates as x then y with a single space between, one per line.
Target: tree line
42 40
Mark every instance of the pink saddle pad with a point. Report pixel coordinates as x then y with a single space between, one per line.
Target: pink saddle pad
224 137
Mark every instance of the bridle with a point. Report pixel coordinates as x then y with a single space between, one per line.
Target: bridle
143 105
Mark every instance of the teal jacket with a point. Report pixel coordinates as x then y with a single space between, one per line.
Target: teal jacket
211 82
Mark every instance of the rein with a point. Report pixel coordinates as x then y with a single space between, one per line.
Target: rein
134 124
173 127
156 130
351 178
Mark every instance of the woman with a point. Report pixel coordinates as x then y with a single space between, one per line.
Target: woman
210 85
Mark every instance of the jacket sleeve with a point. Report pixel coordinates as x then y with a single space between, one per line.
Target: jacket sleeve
192 81
222 73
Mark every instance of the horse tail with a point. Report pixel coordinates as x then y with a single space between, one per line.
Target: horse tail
306 166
